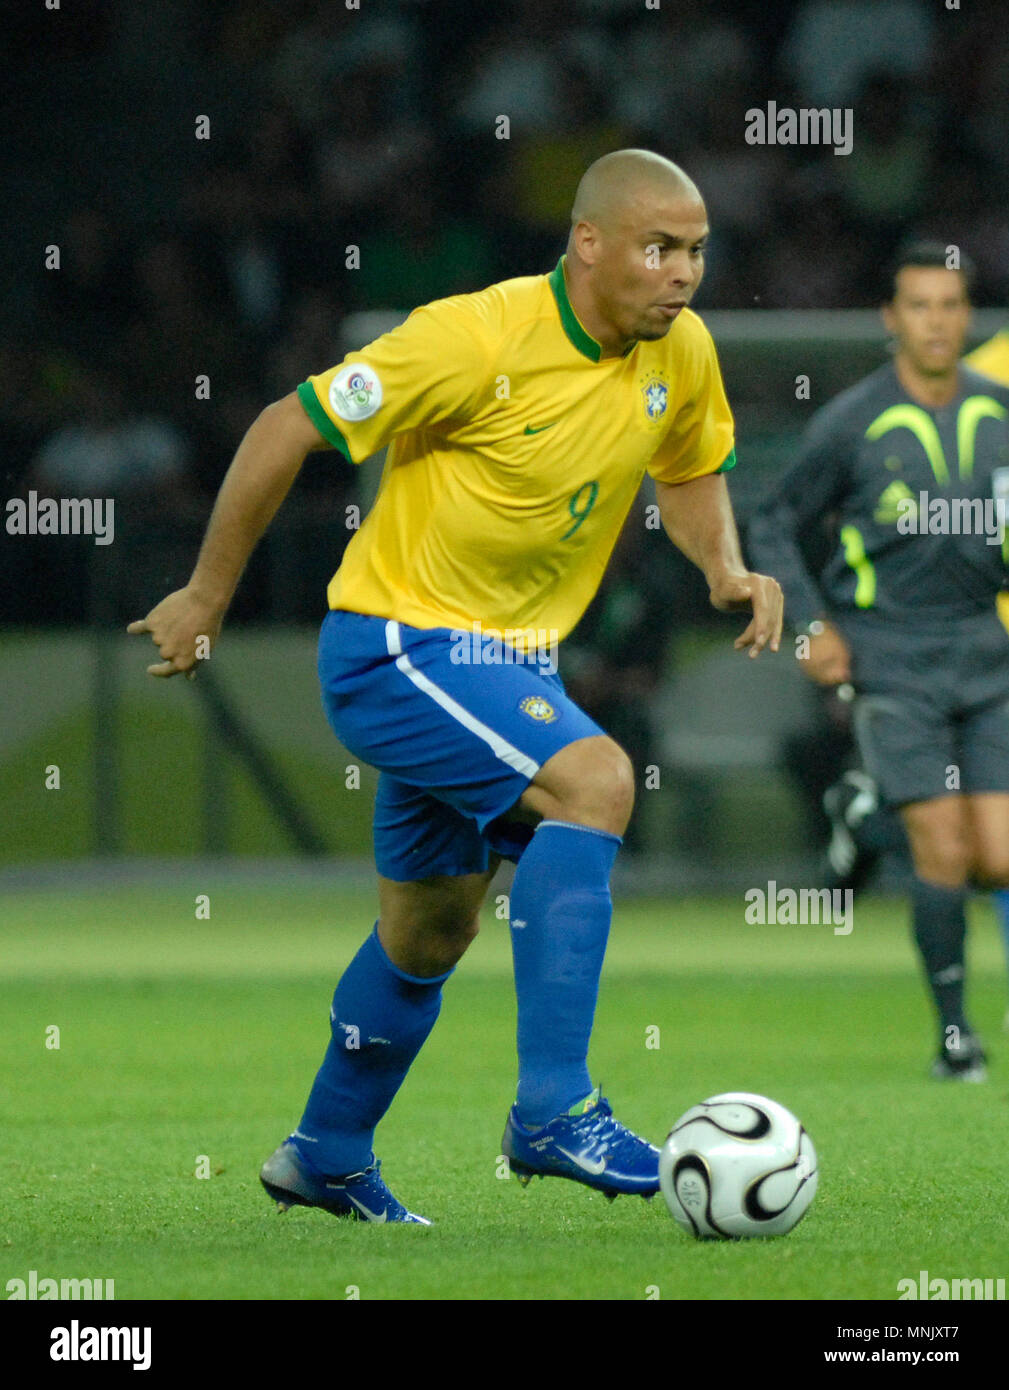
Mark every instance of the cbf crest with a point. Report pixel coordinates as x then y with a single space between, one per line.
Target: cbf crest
539 709
655 390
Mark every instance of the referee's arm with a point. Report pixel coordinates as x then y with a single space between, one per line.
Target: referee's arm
262 472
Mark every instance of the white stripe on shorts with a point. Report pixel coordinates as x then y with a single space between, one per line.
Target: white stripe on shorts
500 747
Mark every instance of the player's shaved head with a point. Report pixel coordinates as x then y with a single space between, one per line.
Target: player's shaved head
636 251
618 181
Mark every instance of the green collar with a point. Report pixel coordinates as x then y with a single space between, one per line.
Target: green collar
583 341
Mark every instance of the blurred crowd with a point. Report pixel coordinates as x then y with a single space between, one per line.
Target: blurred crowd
379 128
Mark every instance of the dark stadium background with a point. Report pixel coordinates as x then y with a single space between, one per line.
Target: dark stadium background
226 257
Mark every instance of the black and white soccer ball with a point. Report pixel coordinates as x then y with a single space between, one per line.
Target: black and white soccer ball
738 1165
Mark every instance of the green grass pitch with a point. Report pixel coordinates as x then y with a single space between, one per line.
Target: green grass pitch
181 1038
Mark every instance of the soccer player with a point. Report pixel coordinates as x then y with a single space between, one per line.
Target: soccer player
992 358
521 420
905 607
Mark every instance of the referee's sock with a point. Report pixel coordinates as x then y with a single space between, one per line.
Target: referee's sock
380 1019
560 921
940 927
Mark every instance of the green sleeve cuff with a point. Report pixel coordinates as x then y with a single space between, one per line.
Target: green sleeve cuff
321 421
730 462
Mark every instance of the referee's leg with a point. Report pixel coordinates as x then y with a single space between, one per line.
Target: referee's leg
939 834
988 818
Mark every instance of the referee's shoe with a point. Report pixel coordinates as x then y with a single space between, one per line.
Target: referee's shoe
964 1062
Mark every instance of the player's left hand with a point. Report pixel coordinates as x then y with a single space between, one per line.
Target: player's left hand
763 595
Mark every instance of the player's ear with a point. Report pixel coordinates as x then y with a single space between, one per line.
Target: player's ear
587 242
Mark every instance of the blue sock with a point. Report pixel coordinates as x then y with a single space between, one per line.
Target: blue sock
1002 907
380 1019
560 920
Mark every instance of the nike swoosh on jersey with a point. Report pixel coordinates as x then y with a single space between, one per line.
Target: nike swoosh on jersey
595 1166
538 429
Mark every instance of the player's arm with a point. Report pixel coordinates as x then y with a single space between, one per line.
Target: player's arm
688 468
432 368
813 486
697 517
264 468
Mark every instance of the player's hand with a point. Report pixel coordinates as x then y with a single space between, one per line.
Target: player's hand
175 626
828 661
763 595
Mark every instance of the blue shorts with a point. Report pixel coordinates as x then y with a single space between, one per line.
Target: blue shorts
455 743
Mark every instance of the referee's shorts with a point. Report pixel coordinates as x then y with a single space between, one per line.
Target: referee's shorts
931 714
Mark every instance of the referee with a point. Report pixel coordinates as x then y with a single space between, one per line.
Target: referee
910 464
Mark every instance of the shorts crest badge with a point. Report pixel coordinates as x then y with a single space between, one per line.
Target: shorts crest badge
539 709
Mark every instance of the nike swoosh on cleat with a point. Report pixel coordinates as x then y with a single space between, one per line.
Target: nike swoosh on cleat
538 429
372 1216
594 1166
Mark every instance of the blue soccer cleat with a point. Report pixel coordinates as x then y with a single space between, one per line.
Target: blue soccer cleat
587 1145
363 1196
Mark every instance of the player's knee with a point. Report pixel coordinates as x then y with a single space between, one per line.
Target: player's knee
454 930
590 782
622 787
602 792
439 945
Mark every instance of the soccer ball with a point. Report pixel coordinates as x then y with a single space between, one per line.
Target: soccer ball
738 1165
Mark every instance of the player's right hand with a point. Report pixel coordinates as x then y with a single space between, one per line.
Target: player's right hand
176 625
828 661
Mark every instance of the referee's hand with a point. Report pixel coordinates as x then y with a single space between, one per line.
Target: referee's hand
828 661
184 630
763 595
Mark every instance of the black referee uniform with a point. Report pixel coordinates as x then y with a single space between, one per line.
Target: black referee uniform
916 559
910 591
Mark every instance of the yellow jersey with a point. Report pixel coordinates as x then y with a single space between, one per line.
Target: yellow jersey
992 358
515 452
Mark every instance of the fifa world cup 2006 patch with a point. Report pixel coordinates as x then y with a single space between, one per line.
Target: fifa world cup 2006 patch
355 393
539 709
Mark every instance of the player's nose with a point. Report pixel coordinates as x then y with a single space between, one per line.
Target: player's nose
684 270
